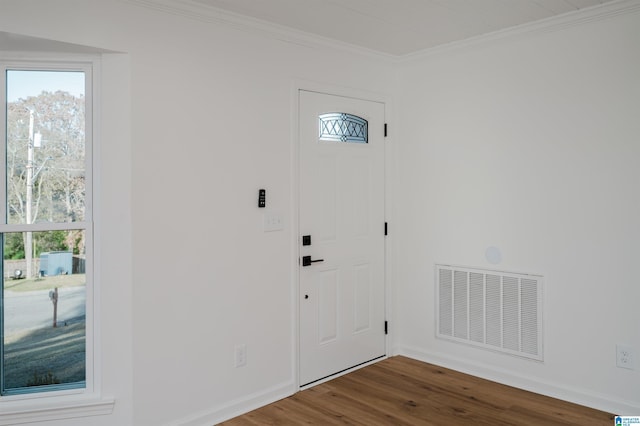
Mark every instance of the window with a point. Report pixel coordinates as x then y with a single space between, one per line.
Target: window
46 230
343 127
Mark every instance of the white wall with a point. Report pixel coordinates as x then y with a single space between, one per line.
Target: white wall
207 118
213 111
529 144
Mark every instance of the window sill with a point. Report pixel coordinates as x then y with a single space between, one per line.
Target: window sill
19 412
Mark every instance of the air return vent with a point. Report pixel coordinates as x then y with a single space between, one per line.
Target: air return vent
494 310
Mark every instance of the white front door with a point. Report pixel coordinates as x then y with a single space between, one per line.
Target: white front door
342 316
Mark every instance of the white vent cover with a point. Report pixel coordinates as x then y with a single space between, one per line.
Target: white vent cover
494 310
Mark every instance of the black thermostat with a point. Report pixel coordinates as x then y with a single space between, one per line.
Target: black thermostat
262 198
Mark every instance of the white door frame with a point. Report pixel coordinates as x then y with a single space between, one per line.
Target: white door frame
389 173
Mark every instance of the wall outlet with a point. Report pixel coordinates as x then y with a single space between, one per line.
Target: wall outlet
624 356
241 355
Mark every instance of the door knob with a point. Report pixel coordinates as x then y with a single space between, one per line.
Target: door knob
306 260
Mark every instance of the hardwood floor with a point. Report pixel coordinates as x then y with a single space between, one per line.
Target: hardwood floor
402 391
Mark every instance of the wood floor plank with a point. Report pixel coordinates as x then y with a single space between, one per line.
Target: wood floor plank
339 403
456 399
410 404
404 392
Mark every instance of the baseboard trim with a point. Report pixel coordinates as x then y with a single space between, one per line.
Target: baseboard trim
239 406
509 378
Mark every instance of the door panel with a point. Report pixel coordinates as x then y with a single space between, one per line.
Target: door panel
342 208
362 306
327 283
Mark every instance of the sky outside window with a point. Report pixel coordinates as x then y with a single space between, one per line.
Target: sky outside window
31 83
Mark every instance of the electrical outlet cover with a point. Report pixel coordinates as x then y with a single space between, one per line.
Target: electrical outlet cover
624 357
241 355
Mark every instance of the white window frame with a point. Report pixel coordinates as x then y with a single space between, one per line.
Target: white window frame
78 402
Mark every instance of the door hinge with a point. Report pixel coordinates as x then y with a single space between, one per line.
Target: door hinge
385 130
386 327
386 228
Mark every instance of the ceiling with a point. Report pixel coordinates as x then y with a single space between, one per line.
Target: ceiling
399 27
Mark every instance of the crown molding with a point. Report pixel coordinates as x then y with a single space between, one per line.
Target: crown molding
197 11
580 17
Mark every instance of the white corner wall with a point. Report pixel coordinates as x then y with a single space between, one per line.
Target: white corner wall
528 144
205 120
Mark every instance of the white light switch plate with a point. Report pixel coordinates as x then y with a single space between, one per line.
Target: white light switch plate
273 221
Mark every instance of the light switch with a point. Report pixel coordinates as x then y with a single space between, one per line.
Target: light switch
273 221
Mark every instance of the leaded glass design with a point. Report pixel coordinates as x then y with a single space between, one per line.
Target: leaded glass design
343 127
